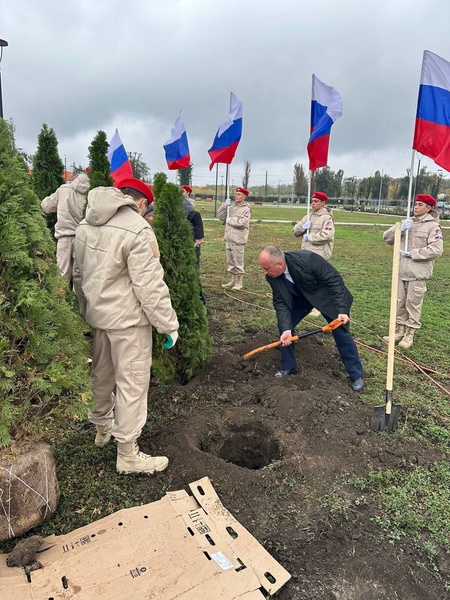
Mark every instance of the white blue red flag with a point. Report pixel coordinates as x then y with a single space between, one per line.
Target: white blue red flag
177 148
228 135
326 107
432 131
118 159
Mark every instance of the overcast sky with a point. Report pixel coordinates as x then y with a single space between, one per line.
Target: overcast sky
81 66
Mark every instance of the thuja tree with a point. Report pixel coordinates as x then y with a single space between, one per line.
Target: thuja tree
185 175
43 354
99 167
47 165
47 168
194 345
159 181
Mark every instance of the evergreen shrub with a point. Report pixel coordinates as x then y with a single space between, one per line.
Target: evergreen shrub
44 372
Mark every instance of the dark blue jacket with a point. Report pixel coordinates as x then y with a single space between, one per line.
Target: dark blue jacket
318 284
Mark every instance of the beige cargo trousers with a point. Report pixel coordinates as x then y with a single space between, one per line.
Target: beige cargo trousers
121 359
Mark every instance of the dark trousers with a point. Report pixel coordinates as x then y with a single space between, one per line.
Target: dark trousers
344 342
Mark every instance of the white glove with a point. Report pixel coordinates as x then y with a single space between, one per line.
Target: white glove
228 220
227 202
306 237
406 224
405 254
171 339
306 225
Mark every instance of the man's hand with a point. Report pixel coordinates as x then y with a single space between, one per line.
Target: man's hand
405 254
228 220
227 202
171 339
284 338
306 225
344 318
199 242
406 224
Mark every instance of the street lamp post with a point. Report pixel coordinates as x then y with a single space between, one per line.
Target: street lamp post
3 44
265 192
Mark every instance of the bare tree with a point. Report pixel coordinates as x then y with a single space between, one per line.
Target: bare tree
247 169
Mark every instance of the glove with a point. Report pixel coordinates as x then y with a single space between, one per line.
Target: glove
228 220
405 254
227 202
306 225
406 224
306 237
171 339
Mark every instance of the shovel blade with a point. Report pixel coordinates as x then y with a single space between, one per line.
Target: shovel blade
383 421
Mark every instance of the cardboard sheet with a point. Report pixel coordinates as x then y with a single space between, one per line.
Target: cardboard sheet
181 547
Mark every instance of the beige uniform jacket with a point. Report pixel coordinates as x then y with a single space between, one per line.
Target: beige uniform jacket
424 243
68 203
320 236
117 275
236 232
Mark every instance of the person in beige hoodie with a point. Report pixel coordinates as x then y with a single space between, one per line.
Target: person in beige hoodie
236 217
118 279
68 203
317 231
416 265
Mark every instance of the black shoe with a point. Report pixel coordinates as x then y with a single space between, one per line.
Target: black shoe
284 372
358 384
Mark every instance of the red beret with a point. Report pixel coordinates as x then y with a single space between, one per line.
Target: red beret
425 198
187 188
136 184
320 196
242 191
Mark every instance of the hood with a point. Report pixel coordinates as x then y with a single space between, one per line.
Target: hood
187 205
433 215
104 202
81 184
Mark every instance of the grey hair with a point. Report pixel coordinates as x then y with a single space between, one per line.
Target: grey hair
274 252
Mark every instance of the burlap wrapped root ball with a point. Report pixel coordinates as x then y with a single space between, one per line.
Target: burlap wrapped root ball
29 490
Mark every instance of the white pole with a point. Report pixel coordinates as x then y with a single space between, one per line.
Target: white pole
308 202
408 210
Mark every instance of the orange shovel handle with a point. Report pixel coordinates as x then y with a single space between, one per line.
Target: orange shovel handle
328 327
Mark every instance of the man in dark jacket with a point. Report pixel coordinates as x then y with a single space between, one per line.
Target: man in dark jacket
303 280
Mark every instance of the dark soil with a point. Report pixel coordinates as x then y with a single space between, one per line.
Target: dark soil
274 448
278 452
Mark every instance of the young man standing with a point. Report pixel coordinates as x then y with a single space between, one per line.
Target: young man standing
237 224
416 265
118 279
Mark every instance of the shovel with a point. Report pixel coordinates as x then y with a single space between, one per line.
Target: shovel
329 327
385 417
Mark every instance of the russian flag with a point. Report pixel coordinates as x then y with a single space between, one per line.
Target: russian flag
177 148
326 107
118 159
228 135
432 130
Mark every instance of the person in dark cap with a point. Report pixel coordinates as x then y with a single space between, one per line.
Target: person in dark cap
118 279
317 230
299 281
424 245
198 231
237 224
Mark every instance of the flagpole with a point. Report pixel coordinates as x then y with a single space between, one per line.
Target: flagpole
215 195
408 209
226 189
308 202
